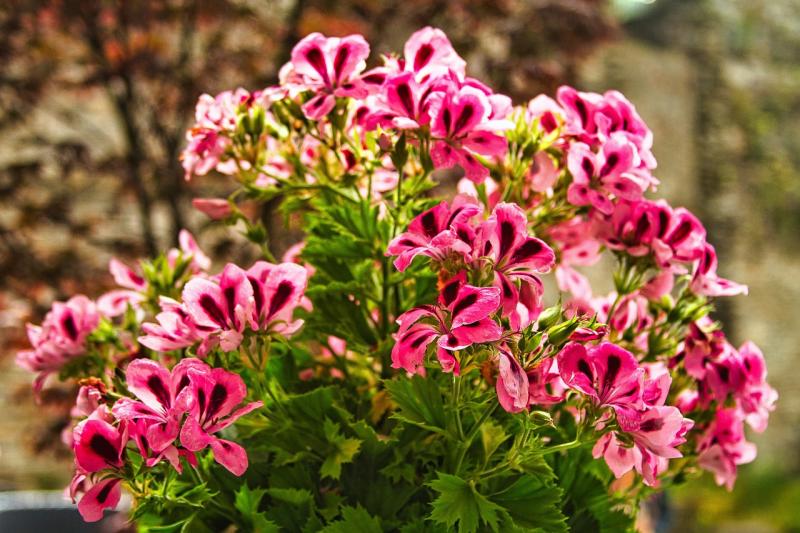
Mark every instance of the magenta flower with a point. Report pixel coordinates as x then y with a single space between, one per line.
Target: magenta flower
705 280
655 432
61 337
98 493
756 398
723 447
512 383
163 397
606 373
428 53
545 384
329 66
277 291
440 232
139 429
461 319
599 178
517 259
462 126
175 330
98 445
214 394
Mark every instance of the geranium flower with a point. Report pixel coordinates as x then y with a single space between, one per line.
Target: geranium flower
163 398
516 257
461 319
98 445
608 374
462 126
329 66
437 233
61 337
97 493
214 394
512 383
723 447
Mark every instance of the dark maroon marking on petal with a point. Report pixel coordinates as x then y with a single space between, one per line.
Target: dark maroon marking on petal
318 101
663 222
144 443
416 343
471 325
182 384
527 250
159 390
258 296
487 248
614 364
429 224
224 444
423 55
404 94
584 368
218 396
611 162
280 297
680 233
707 256
104 448
102 496
466 114
69 325
724 373
407 242
450 291
467 301
507 292
453 215
230 299
641 228
376 78
452 340
652 424
582 111
463 235
548 122
339 60
506 237
201 400
587 166
447 119
317 60
211 308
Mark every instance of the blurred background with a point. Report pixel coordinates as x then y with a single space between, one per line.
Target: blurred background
95 98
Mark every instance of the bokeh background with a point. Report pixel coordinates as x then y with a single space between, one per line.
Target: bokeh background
95 98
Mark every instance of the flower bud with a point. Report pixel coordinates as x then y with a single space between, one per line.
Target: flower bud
214 208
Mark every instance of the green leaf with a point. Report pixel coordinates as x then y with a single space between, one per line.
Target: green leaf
292 496
419 402
531 503
459 502
247 501
355 520
344 450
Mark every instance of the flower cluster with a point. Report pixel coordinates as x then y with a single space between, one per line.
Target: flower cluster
217 311
640 376
189 404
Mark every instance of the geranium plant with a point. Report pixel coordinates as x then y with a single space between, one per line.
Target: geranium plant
408 366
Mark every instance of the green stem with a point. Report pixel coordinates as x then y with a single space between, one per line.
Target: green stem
467 442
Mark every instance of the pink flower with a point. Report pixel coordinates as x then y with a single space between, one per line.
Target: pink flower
705 280
512 383
61 337
655 432
214 394
606 373
723 448
277 291
545 385
175 330
213 208
428 53
756 398
517 259
162 399
461 319
139 429
329 66
547 111
462 126
437 233
98 493
98 445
